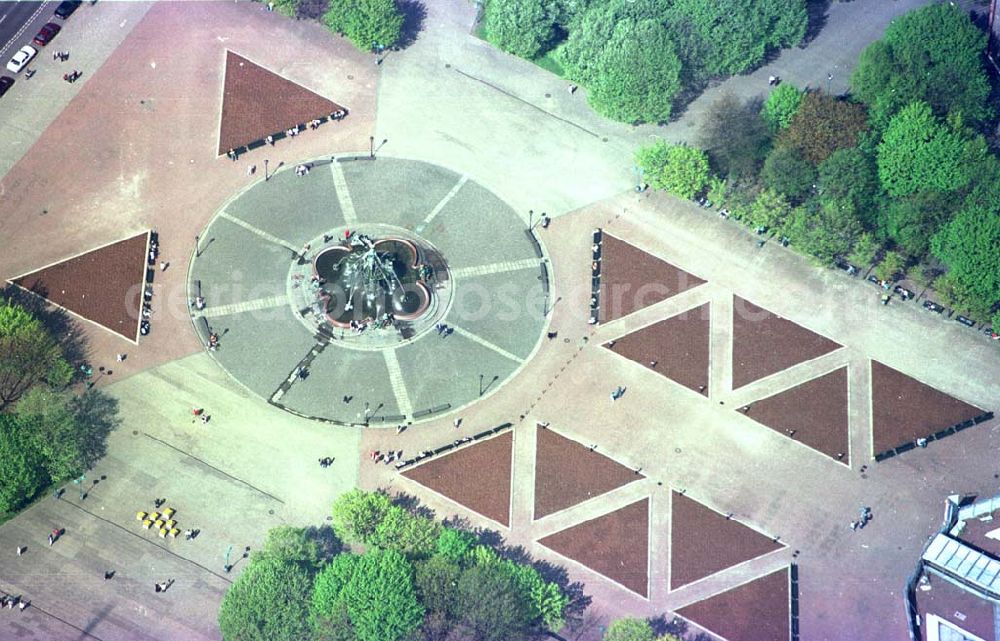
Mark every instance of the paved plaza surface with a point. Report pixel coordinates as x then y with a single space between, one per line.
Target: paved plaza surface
490 138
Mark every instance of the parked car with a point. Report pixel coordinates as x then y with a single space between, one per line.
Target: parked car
46 34
6 82
21 58
932 306
66 9
968 322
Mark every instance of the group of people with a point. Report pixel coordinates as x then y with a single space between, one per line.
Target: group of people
863 519
62 56
213 341
377 456
326 461
72 76
9 601
443 329
302 170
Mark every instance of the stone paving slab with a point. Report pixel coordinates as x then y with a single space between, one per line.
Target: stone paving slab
339 372
447 370
478 213
237 265
505 309
293 208
376 188
279 343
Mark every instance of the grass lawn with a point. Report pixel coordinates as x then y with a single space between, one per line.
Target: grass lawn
549 63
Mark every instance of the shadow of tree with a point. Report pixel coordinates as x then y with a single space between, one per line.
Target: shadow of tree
311 9
96 416
818 11
60 325
674 625
324 536
414 14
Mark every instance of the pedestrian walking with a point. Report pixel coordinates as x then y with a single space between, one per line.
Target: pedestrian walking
20 550
251 169
108 574
22 605
120 357
163 265
52 539
458 423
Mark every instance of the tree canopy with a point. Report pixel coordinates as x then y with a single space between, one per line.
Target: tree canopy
28 355
781 105
369 24
968 245
678 169
851 174
823 124
918 151
269 601
933 54
637 74
22 473
521 27
732 36
735 136
787 173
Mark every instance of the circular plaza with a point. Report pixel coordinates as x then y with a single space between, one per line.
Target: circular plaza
369 292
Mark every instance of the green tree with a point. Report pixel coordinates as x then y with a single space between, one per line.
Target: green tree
731 36
412 536
679 169
736 138
769 210
521 27
454 544
968 246
267 602
582 54
630 629
865 249
54 430
891 265
787 173
357 514
822 125
309 546
28 355
933 54
491 604
377 590
781 105
919 152
911 221
636 75
366 23
850 174
825 231
22 472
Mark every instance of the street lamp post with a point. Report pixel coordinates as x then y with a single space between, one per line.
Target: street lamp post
265 170
371 146
531 216
829 79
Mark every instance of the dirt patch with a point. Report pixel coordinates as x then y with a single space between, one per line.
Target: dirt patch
816 411
258 103
904 409
677 348
615 545
103 285
765 343
703 542
477 477
567 472
632 279
755 611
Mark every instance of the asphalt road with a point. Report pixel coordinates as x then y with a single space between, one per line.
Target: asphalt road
16 22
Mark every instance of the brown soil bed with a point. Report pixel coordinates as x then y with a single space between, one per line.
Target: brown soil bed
615 545
632 279
477 476
258 103
815 410
904 409
703 542
104 285
755 611
567 472
765 343
679 347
